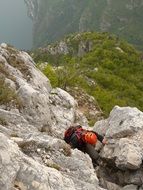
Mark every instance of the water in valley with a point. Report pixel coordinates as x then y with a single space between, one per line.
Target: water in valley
15 25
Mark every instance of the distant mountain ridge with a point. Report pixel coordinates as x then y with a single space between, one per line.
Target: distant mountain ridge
53 18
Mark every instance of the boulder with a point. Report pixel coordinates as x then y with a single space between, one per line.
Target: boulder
130 187
101 127
109 185
124 122
123 154
128 154
134 177
123 130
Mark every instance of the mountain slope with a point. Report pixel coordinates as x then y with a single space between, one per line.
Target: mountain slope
53 19
104 66
33 119
32 148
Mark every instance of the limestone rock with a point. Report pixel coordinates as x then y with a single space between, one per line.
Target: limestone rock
9 158
3 45
25 172
134 177
16 124
55 153
123 131
130 187
123 154
40 105
128 154
63 108
124 122
33 155
101 127
109 185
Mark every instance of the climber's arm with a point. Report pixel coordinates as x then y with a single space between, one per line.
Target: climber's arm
101 138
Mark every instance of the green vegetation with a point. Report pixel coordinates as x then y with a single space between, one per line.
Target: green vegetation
109 69
8 96
17 62
3 121
55 166
49 71
67 150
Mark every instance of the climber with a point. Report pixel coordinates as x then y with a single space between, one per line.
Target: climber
84 140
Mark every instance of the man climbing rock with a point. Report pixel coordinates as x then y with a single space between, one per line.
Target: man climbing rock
84 140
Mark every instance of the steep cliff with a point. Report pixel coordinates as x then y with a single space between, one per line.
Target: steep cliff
33 118
53 19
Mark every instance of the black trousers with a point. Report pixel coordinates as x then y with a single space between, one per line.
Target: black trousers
89 149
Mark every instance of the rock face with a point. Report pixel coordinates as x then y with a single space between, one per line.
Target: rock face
33 118
105 15
40 105
123 130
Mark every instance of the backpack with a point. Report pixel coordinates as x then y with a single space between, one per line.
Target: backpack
73 132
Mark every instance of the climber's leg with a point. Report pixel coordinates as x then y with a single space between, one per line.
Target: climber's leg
92 152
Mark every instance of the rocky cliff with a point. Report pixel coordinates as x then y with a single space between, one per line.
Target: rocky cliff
33 118
124 151
53 19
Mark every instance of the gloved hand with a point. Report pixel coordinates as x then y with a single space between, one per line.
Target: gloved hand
104 141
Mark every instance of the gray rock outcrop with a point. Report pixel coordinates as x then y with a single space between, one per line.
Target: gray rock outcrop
33 155
124 150
124 130
33 118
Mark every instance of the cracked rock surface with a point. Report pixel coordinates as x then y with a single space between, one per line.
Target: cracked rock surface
33 118
33 155
123 153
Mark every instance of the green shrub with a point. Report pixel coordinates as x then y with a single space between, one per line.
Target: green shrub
114 65
7 95
3 121
50 73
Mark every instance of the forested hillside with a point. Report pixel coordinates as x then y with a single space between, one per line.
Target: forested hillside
104 66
